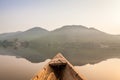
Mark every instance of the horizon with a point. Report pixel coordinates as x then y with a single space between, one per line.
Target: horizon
21 15
55 29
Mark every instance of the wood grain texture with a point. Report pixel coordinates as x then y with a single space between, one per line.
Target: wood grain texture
58 69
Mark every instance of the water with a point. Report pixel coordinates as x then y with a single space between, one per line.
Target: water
12 68
105 70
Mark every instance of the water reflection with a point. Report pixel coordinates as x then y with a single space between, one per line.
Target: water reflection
12 68
105 70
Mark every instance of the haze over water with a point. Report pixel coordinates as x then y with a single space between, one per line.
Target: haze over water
21 15
13 68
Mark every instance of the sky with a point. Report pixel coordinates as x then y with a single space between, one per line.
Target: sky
20 15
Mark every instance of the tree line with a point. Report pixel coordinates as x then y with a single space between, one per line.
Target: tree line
15 43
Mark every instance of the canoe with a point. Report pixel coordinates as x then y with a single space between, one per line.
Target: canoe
59 69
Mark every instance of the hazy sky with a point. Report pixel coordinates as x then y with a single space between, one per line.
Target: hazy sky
50 14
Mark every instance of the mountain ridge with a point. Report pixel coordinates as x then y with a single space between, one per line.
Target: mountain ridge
28 34
89 45
36 28
63 27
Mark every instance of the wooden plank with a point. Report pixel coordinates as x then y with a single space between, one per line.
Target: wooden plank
59 69
52 76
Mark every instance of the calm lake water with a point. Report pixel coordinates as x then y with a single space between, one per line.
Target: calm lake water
12 68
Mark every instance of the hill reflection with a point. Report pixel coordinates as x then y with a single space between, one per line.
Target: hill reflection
13 68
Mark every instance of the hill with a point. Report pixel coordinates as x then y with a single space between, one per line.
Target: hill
30 34
79 44
8 35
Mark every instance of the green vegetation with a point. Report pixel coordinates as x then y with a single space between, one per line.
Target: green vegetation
15 44
79 44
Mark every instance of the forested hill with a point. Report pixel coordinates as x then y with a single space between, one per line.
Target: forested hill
78 43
